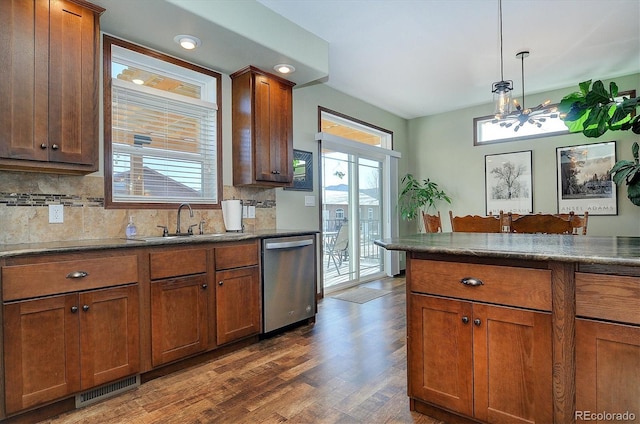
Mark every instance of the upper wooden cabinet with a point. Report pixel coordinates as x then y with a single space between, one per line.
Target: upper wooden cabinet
262 114
49 88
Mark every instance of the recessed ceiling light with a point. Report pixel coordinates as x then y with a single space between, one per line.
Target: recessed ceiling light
283 68
188 42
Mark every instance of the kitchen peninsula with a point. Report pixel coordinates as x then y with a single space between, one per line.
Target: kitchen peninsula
522 327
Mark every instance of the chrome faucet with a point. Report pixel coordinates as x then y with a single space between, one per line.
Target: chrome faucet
180 209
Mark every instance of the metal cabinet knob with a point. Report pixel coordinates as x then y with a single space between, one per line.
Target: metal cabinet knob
43 146
204 286
55 146
465 320
85 308
74 309
220 283
477 321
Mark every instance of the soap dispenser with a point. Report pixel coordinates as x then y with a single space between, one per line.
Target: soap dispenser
131 229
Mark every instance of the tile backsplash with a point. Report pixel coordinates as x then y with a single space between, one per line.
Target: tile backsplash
24 212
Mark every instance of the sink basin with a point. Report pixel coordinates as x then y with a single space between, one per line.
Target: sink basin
178 236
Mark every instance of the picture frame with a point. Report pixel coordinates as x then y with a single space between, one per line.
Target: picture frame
509 183
302 171
584 179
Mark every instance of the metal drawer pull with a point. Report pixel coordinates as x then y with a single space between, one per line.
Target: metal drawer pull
470 281
77 274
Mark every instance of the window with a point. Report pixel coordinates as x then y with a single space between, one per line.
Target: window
162 136
485 131
339 213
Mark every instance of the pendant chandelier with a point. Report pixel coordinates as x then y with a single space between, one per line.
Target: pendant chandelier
521 115
502 89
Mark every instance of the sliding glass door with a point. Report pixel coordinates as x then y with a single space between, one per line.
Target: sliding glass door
352 209
358 180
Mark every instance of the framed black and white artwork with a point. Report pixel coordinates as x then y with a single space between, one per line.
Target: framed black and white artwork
584 180
509 183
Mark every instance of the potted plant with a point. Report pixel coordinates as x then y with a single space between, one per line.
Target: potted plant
593 111
415 195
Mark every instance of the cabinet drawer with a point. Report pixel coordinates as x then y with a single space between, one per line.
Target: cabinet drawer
236 256
610 297
522 287
174 263
34 280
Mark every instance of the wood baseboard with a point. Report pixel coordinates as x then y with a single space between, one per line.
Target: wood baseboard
439 414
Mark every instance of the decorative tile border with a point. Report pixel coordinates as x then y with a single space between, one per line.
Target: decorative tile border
41 199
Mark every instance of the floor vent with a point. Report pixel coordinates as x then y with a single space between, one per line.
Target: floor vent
108 390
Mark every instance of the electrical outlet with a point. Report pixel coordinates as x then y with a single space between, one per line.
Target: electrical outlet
252 212
56 214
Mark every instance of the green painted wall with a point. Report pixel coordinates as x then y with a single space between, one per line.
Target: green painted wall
441 148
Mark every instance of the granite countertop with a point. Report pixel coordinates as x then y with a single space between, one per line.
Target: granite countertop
9 250
563 248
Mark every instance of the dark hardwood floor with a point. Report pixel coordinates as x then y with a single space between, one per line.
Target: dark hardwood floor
350 367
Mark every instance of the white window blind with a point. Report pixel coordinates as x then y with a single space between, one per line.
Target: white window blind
164 133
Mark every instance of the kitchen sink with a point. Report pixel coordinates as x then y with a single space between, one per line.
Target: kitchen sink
179 236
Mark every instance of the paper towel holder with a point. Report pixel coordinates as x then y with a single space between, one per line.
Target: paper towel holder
241 230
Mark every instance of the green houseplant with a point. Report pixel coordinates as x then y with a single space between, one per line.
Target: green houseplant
416 194
594 110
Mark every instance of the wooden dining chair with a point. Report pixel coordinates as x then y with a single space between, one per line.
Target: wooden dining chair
505 219
476 224
579 224
432 223
540 224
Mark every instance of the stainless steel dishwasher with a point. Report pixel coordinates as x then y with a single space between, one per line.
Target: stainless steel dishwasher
288 280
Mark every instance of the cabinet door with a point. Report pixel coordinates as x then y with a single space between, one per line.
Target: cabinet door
607 368
24 27
512 365
72 84
439 352
273 142
178 318
238 311
109 335
41 348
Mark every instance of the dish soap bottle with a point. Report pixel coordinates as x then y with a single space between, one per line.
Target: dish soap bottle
131 229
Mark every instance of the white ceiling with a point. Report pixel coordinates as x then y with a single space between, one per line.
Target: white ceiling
421 57
410 57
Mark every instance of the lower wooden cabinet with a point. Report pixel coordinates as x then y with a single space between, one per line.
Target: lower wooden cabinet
238 312
607 370
488 362
178 318
57 345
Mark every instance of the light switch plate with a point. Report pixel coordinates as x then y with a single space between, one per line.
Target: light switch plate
309 200
56 214
252 212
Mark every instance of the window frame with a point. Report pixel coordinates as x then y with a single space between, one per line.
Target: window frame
108 41
516 137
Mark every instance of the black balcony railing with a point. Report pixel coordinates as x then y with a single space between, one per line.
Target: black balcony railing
370 230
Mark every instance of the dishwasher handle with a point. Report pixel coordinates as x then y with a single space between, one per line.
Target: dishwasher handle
288 244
